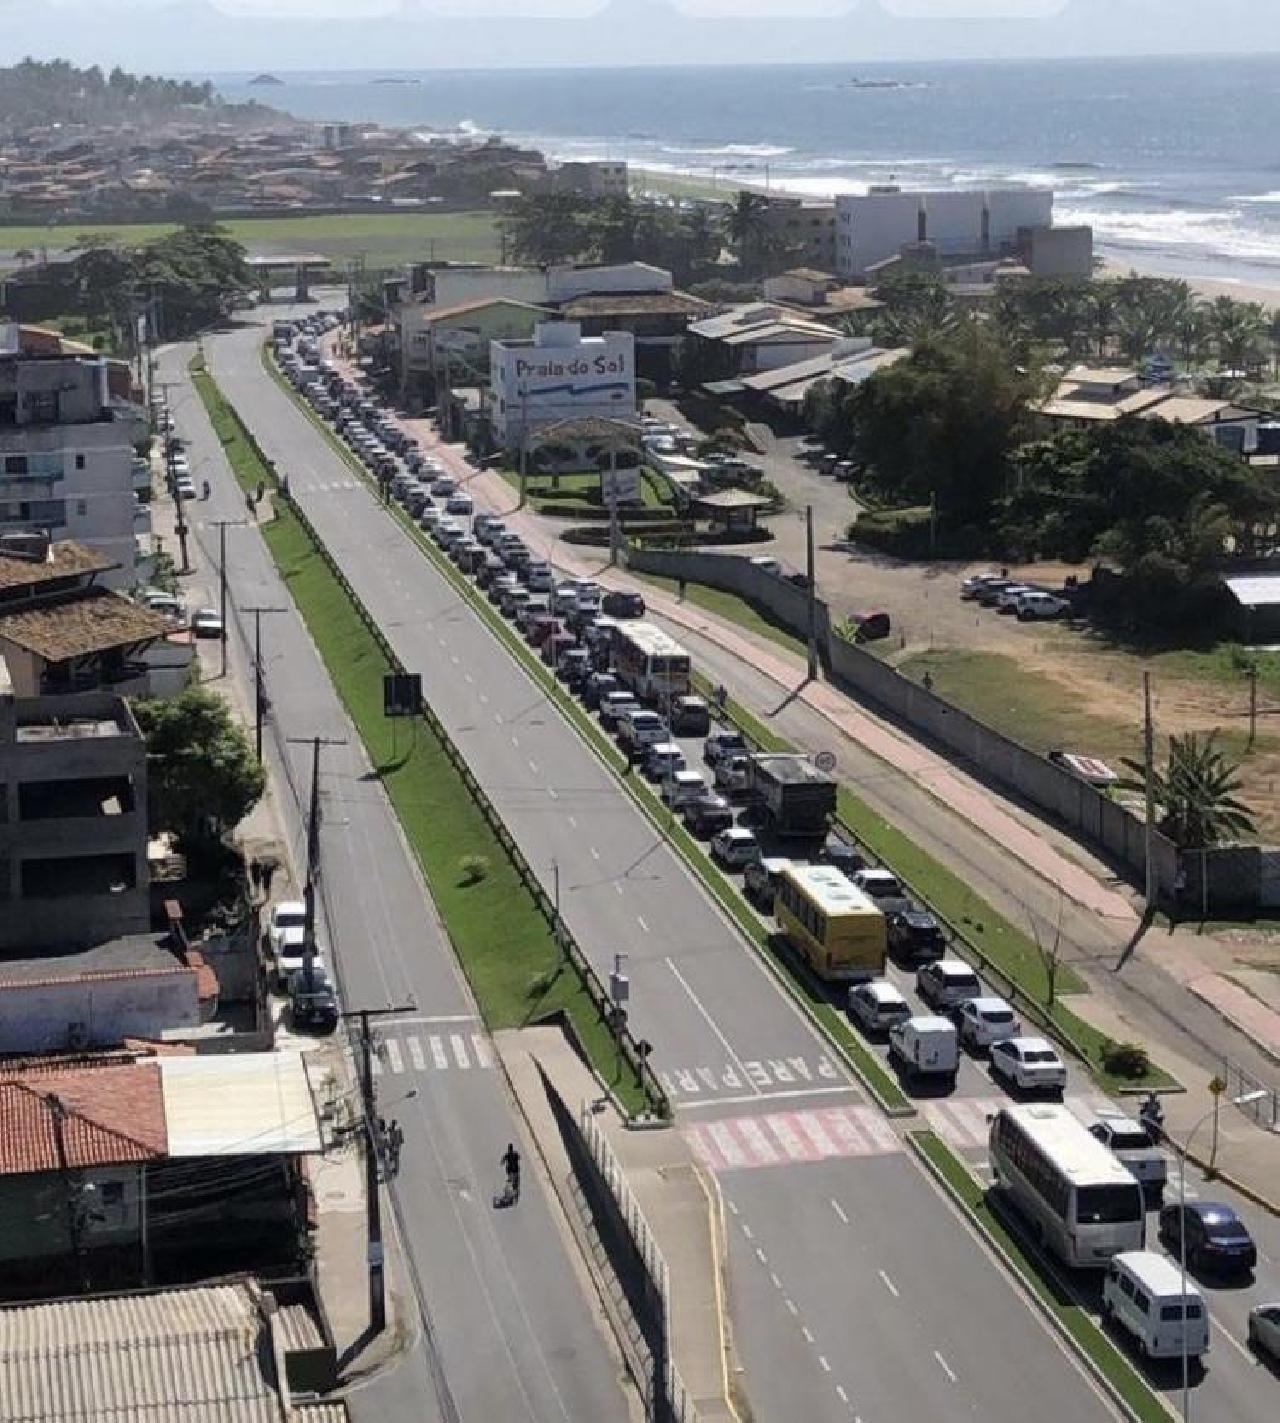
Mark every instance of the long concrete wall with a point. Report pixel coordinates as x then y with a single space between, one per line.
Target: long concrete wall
84 1012
994 757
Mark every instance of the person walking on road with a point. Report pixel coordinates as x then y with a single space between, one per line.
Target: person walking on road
511 1165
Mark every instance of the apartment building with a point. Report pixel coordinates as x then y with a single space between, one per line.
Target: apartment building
67 432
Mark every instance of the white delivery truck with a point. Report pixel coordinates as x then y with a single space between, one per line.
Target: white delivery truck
926 1048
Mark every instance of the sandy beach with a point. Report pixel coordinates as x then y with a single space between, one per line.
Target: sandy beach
1237 291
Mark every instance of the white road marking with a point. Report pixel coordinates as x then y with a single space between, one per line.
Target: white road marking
573 823
460 1049
773 1097
1230 1338
595 854
841 1394
644 928
839 1210
777 1283
807 1332
484 700
710 1022
761 1256
826 1367
551 791
480 1046
888 1284
747 1231
617 888
945 1367
790 1304
416 1055
438 1054
733 1208
515 741
533 766
440 1018
393 1055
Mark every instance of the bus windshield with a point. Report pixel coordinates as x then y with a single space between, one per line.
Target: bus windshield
1108 1205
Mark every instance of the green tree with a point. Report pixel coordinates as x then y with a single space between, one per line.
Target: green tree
746 225
944 423
546 229
1196 794
1240 333
204 778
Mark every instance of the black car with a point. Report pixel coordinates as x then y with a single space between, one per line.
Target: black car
915 937
597 685
708 815
842 855
1217 1239
616 604
314 1008
723 744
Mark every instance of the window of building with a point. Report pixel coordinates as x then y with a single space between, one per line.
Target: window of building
82 508
79 461
15 464
111 1193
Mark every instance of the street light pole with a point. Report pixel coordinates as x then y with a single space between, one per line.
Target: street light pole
222 525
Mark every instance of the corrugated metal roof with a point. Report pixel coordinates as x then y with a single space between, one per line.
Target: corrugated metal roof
197 1355
243 1104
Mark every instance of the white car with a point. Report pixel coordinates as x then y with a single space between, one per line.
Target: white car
1007 599
984 1021
877 1006
288 914
682 788
1029 1064
735 848
1037 606
879 884
206 622
1132 1143
290 956
663 759
971 586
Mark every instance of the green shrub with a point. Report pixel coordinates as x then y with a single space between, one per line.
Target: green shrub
1126 1060
473 868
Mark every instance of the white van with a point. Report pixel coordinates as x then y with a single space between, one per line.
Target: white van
1143 1294
926 1048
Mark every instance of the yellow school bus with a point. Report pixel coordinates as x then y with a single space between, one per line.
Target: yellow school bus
828 920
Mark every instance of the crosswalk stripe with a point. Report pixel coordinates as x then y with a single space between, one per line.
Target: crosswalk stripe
727 1144
393 1055
438 1054
460 1049
416 1055
811 1127
482 1050
789 1138
375 1064
754 1136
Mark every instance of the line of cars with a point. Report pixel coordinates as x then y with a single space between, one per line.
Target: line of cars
1025 601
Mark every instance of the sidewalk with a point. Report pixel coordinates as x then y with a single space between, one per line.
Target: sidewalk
672 1194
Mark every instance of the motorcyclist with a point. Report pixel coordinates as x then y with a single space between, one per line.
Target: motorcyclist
1151 1112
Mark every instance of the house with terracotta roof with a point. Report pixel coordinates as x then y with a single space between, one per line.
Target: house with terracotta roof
121 1168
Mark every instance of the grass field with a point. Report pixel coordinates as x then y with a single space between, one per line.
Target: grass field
732 607
502 940
582 489
385 239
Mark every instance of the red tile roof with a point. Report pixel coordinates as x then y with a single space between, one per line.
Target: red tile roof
108 1117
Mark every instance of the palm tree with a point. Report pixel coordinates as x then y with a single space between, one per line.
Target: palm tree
1193 333
1103 305
1273 335
1240 332
746 225
1196 793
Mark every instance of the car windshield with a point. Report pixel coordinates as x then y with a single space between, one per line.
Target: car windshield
1108 1205
1130 1139
998 1015
1170 1313
1044 1055
1226 1230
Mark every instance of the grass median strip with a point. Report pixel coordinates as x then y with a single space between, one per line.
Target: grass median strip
1084 1332
806 992
503 941
991 938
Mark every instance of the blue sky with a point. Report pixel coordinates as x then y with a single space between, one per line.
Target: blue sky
214 35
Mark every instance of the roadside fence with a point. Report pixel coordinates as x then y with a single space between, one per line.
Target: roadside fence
607 1011
668 1400
1265 1110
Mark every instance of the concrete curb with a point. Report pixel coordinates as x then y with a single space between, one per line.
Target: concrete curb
1272 1207
1029 1292
715 1216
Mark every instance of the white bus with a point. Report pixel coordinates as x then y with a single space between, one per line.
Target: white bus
1081 1202
650 662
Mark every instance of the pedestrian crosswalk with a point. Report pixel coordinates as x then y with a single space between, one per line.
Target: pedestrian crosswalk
789 1138
965 1122
403 1052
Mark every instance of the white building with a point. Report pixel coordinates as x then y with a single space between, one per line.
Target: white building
873 227
66 446
560 375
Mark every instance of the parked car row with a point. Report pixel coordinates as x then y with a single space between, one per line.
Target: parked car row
1006 595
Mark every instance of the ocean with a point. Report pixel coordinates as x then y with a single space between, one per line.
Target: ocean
1175 162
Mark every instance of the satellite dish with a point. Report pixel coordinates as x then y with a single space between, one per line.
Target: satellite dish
825 761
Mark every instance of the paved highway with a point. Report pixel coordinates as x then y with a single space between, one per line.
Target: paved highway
516 1337
745 1065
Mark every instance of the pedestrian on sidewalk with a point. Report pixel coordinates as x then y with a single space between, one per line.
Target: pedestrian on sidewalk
682 588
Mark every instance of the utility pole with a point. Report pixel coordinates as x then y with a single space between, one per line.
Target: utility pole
1253 703
373 1150
1149 771
172 484
259 676
72 1187
813 593
313 841
222 525
524 442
